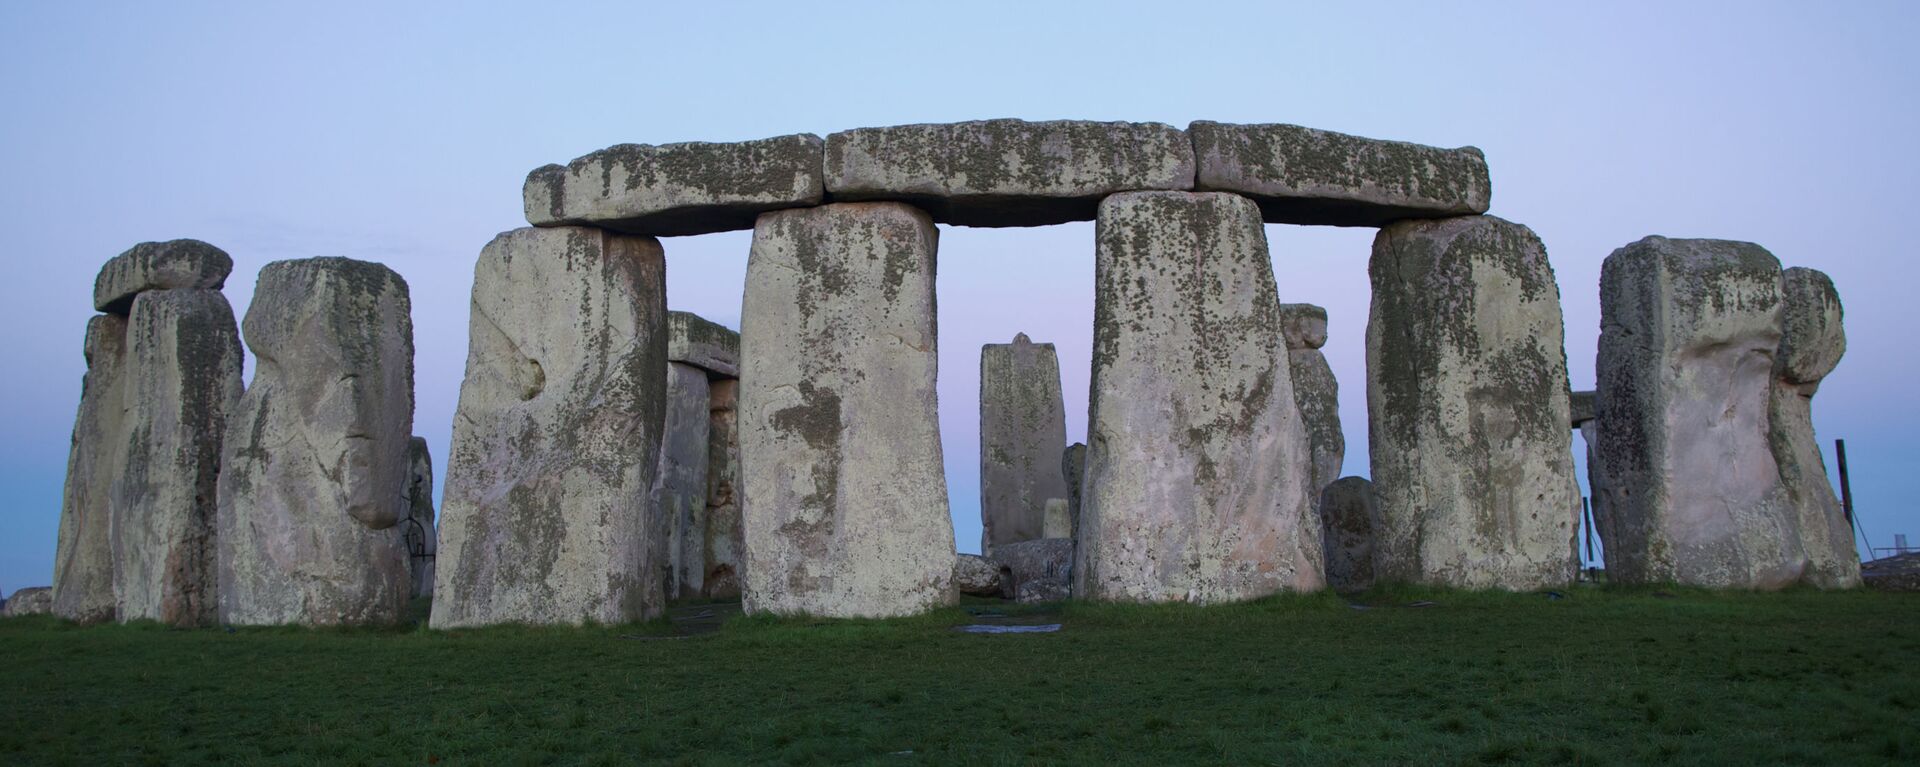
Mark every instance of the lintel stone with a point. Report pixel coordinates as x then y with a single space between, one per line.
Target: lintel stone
1306 176
677 189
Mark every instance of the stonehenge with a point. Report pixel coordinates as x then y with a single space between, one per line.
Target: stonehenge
609 455
1197 468
315 465
556 441
36 600
1023 429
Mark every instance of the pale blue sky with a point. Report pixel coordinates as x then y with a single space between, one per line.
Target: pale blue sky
401 133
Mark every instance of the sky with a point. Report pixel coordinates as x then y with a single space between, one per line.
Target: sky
401 133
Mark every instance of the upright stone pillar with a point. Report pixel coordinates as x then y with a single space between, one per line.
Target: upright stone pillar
845 506
421 541
313 490
1688 334
1314 389
183 377
1352 519
556 441
1467 407
1198 466
723 549
1811 343
83 557
680 498
1023 428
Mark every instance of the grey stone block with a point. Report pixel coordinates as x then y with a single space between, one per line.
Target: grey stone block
83 555
710 346
1306 176
1023 428
170 265
677 189
1350 515
1812 340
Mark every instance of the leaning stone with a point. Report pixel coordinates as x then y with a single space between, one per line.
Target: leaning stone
1198 465
556 441
1047 560
1073 466
1689 332
707 345
83 556
1314 389
313 486
1811 343
1006 172
1467 407
170 265
1351 517
37 600
845 505
724 548
677 189
183 378
422 544
1023 428
976 576
1306 176
680 493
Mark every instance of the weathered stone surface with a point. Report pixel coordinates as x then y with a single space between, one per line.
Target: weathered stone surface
1467 407
1307 176
845 505
1023 428
421 541
37 600
1006 172
976 576
1049 590
1688 334
1058 519
724 548
1811 342
680 492
1047 560
677 189
1198 466
1350 515
710 346
1580 408
556 441
313 485
83 556
1073 465
183 378
1314 389
170 265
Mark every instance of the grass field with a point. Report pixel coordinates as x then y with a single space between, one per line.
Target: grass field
1597 677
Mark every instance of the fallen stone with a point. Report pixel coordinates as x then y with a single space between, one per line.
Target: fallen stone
1023 428
1314 389
725 549
1351 517
1305 176
1048 560
556 441
976 576
37 600
1811 343
710 346
313 486
677 189
1043 591
1006 172
1198 466
170 265
183 378
1689 332
1467 408
1900 572
845 506
421 542
83 555
680 495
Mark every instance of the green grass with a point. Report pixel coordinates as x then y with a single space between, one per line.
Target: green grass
1600 677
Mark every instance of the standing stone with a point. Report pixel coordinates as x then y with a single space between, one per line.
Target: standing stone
421 542
1351 517
1197 466
1023 428
724 548
1467 407
1307 176
1073 466
313 488
845 505
556 441
1059 520
1314 389
37 600
83 557
183 378
680 497
171 265
1688 334
1811 343
677 189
